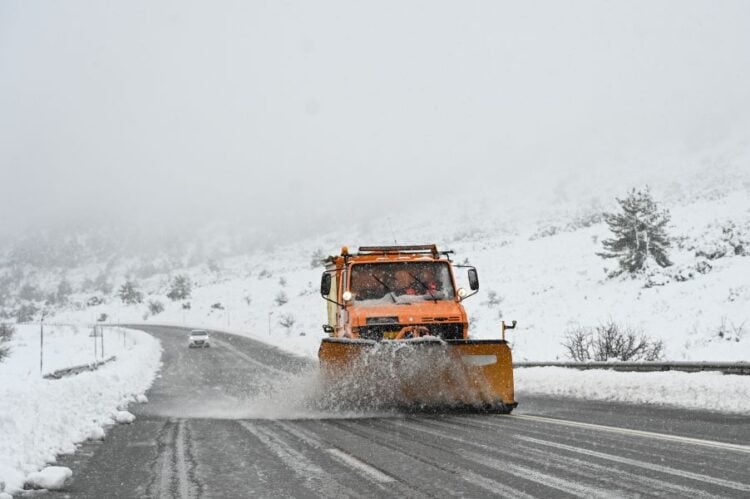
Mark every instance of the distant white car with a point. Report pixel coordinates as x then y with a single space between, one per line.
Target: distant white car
199 339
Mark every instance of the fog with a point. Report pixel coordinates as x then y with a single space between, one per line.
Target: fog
295 115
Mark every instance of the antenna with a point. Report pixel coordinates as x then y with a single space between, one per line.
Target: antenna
390 226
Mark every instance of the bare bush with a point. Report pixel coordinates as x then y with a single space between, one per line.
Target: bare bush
730 331
6 334
493 299
611 341
281 298
155 307
287 321
317 259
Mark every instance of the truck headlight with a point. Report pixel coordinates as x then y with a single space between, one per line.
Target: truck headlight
347 295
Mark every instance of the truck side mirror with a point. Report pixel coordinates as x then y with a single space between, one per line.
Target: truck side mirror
325 284
473 279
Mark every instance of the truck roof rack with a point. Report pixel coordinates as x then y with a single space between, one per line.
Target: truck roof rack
385 250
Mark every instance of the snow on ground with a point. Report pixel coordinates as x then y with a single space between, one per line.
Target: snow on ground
41 418
51 478
705 390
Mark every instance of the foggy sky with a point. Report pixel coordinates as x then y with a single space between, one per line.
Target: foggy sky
153 111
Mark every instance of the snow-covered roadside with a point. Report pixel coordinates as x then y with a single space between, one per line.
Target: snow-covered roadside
706 390
41 418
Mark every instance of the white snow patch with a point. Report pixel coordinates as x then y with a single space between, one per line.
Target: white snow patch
97 433
141 398
711 391
123 417
51 478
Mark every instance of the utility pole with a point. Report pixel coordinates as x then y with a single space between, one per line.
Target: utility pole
41 344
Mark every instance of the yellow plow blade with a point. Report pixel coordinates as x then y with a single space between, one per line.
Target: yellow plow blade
424 373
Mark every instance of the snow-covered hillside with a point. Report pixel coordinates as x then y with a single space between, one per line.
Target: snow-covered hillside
536 252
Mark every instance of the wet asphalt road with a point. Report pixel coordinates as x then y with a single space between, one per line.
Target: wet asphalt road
207 431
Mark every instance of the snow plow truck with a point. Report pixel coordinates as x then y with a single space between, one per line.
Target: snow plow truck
398 333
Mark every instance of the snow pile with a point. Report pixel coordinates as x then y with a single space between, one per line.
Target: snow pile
706 390
41 418
123 417
51 478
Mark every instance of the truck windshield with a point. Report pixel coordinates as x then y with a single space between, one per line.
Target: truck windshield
400 282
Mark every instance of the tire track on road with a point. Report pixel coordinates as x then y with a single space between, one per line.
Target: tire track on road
174 469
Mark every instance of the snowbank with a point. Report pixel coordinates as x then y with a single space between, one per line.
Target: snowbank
51 477
41 418
705 390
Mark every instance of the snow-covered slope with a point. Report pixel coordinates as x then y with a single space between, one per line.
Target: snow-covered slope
536 251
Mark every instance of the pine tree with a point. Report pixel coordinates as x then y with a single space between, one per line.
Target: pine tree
129 293
639 232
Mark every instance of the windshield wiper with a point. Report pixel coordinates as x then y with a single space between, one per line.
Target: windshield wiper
426 288
390 291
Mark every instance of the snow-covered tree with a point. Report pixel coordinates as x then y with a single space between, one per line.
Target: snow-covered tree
64 290
155 307
639 233
180 288
281 298
287 321
129 293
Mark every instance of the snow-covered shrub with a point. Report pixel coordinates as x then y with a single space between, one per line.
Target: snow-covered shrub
180 288
493 299
26 312
722 240
281 298
102 284
94 301
247 299
639 233
186 306
155 307
282 282
317 259
102 317
129 293
6 334
611 341
287 321
213 266
64 290
264 274
217 306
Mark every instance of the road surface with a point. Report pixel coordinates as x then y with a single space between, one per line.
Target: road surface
209 430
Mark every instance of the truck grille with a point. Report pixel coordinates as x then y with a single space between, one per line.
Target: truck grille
451 331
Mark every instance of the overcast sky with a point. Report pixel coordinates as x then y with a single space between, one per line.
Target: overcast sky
301 108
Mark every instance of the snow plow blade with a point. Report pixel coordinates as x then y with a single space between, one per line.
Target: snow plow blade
424 373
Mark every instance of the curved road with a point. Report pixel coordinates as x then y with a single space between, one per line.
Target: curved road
235 420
